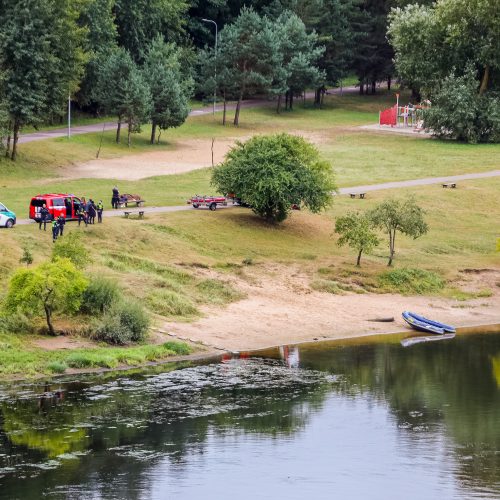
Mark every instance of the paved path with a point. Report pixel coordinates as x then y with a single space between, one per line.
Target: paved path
85 129
342 191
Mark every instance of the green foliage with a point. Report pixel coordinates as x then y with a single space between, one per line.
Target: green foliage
16 322
411 281
355 230
27 256
71 247
395 215
271 173
170 93
141 21
40 67
101 294
57 367
249 53
52 287
430 42
459 112
124 322
122 91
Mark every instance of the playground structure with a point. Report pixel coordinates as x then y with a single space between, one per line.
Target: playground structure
409 116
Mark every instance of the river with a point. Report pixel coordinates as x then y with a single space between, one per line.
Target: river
368 419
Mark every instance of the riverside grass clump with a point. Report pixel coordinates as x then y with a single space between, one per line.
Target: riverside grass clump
124 322
409 281
113 357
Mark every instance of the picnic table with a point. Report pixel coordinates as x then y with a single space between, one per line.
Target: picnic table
127 199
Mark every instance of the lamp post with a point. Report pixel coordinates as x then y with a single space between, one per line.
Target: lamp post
215 65
69 116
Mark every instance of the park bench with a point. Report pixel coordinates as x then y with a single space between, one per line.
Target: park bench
140 214
449 184
353 195
130 199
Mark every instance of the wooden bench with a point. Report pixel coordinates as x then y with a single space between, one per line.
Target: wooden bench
361 195
449 184
140 214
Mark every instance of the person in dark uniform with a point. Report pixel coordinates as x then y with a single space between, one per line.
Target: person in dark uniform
82 215
61 221
100 209
55 230
44 217
116 197
91 211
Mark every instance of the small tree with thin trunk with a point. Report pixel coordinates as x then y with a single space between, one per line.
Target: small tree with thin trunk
50 288
356 231
404 216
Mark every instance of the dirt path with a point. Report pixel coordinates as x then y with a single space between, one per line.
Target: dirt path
281 309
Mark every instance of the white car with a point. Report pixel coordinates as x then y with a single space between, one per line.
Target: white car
7 218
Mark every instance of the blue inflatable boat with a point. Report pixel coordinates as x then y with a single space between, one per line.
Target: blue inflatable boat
426 325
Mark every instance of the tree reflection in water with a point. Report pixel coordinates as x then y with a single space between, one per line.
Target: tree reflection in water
102 436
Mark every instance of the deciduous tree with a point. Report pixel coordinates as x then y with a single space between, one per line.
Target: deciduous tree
50 288
272 173
403 216
356 230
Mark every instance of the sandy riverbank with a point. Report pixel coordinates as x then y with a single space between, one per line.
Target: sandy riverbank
281 308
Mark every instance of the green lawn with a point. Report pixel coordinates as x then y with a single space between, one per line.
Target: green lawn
174 263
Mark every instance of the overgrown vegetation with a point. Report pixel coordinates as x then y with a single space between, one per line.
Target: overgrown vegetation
409 281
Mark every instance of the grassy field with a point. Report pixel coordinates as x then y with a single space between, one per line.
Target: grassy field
357 156
177 263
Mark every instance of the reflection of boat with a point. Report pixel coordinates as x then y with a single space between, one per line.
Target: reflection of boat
409 341
426 325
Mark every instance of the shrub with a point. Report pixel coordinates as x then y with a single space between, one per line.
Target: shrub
70 247
460 113
100 295
57 367
411 281
16 322
123 323
169 303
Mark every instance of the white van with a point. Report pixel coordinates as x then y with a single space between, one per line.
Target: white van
7 218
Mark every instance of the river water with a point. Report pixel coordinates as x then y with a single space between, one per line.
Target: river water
367 420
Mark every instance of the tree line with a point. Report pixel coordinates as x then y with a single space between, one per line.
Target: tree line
142 60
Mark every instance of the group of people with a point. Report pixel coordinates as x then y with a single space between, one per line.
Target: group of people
57 223
88 210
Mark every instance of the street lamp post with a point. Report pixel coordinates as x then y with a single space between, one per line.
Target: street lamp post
215 65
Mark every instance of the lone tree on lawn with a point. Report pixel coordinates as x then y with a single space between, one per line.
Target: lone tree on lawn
272 173
47 289
356 230
397 215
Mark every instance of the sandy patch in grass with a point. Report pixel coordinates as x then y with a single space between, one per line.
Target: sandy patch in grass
281 308
61 343
188 155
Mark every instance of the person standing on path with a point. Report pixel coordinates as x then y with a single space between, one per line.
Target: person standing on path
91 211
44 217
61 221
115 198
100 209
55 230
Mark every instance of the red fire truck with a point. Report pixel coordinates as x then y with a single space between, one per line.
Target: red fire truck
58 204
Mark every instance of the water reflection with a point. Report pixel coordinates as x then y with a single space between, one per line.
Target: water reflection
343 416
